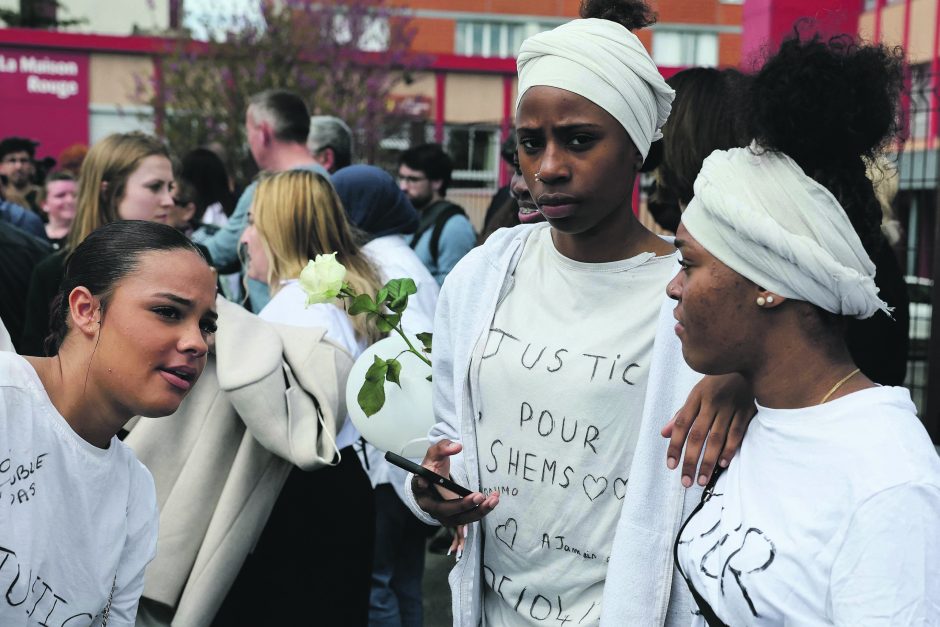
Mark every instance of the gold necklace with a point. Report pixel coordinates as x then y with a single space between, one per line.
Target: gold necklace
839 384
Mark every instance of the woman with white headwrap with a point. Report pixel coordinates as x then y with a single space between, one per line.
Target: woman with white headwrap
830 513
555 365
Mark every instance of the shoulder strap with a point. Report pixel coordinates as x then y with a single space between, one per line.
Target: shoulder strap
435 217
442 218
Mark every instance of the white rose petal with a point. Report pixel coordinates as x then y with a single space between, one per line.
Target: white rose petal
322 279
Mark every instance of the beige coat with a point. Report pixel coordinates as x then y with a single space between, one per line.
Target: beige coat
270 397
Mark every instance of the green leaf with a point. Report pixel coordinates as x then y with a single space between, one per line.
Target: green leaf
394 371
382 296
398 292
371 397
362 303
377 370
387 323
425 339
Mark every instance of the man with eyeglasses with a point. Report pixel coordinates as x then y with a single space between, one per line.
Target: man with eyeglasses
17 165
444 234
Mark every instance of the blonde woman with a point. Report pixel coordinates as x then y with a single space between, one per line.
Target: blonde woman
319 538
124 177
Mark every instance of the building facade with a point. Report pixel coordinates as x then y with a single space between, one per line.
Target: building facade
464 100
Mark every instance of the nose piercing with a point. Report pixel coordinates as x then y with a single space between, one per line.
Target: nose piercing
537 176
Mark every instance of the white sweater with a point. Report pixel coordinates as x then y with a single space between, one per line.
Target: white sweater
642 586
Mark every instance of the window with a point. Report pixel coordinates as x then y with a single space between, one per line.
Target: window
674 48
475 151
494 39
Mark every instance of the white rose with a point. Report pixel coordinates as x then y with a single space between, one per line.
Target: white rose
322 279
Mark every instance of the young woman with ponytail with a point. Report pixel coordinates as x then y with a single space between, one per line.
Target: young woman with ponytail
78 515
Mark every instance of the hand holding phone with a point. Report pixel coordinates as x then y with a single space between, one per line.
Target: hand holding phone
449 512
428 475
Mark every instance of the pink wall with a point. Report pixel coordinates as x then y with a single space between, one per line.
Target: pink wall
45 97
766 22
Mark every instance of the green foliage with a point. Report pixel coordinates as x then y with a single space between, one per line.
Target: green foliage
362 303
394 372
371 395
386 323
38 14
426 341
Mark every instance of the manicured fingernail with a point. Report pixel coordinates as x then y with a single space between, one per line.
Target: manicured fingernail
686 481
723 463
464 532
450 550
702 480
459 554
671 463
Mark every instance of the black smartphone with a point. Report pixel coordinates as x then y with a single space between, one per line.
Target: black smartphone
426 474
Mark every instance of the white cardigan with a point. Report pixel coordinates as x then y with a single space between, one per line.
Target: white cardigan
642 586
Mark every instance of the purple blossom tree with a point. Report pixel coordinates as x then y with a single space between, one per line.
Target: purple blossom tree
343 57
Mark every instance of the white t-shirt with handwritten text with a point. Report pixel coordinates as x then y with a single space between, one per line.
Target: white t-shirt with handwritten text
828 515
75 520
562 383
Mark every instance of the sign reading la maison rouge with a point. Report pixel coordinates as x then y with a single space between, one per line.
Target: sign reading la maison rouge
45 97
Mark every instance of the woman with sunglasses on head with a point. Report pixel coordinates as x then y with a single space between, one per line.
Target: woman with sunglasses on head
830 513
125 176
78 516
555 365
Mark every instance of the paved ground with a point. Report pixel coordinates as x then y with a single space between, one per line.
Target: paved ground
436 590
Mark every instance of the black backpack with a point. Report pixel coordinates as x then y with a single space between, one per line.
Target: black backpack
436 216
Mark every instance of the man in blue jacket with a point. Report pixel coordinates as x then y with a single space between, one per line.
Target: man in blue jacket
445 234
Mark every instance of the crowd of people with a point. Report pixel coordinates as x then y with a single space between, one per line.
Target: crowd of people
705 429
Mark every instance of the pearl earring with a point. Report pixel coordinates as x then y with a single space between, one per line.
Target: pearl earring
761 301
770 300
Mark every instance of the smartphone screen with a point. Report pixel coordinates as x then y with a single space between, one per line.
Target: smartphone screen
425 473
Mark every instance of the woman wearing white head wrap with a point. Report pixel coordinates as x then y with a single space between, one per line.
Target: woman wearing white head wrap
555 362
830 513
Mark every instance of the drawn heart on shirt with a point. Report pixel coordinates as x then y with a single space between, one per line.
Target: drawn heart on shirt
620 488
594 486
506 533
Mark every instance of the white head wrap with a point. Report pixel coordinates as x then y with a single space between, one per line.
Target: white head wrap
760 215
606 63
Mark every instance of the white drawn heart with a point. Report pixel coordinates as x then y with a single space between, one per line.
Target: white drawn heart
620 488
506 533
594 486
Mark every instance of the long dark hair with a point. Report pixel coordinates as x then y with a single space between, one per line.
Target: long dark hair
106 256
207 174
